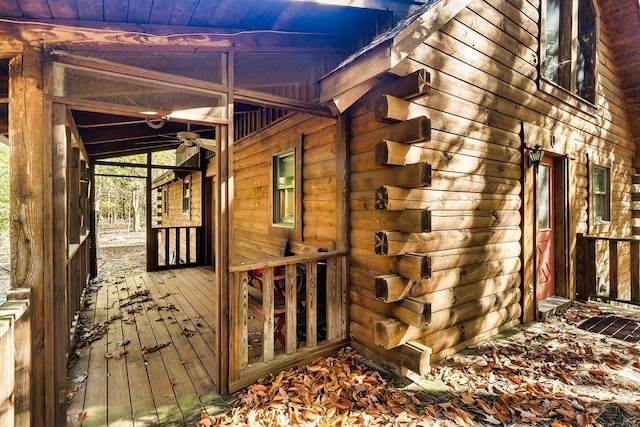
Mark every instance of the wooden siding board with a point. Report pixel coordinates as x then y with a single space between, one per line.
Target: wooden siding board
183 12
161 12
10 8
116 10
139 11
66 9
34 9
90 10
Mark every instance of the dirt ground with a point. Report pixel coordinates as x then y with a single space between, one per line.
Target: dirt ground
119 252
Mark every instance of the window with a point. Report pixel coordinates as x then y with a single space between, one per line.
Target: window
600 194
284 189
544 198
165 200
568 47
186 196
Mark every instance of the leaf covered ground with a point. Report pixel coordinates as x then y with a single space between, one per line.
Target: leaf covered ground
550 373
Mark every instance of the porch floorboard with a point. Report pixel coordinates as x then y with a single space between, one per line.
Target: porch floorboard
164 374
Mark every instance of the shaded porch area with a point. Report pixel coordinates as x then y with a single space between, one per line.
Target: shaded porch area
145 353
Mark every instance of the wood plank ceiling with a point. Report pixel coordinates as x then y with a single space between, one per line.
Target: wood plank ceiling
356 22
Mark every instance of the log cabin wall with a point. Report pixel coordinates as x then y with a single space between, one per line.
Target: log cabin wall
176 215
253 236
477 238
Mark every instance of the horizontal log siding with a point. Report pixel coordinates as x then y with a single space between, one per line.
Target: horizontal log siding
252 186
483 67
175 216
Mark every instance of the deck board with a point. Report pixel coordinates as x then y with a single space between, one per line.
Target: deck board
143 407
77 386
199 339
95 402
169 386
119 404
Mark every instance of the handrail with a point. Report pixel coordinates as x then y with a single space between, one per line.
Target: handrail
588 269
277 262
613 239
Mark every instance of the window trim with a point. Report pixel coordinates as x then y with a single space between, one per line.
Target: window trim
165 200
606 194
276 219
552 88
186 196
287 230
598 226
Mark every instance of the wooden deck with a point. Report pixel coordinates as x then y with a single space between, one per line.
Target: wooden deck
155 364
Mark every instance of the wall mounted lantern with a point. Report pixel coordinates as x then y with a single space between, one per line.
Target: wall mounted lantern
535 156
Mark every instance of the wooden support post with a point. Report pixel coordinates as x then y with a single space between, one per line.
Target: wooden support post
29 173
586 272
311 303
152 237
613 269
635 271
267 315
93 249
291 304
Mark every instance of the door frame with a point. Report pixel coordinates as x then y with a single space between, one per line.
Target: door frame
564 229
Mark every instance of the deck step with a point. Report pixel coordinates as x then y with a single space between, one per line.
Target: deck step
551 306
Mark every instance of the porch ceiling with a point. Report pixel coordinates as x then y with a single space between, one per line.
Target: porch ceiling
355 22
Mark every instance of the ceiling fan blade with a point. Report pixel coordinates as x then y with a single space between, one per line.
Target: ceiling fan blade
182 148
209 144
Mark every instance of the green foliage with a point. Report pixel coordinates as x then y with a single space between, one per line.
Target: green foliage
121 196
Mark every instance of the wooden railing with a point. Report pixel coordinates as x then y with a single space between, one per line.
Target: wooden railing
176 247
15 363
77 273
587 268
322 319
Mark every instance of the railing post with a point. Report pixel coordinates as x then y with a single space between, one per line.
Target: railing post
635 271
167 243
586 267
613 268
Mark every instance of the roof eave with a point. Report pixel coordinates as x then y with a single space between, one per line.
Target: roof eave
345 85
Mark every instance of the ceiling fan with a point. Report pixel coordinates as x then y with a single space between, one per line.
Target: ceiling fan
189 139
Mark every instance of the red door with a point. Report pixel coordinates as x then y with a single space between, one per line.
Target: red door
546 234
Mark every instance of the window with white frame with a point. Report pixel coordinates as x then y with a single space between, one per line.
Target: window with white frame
186 196
284 189
600 194
165 200
568 46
